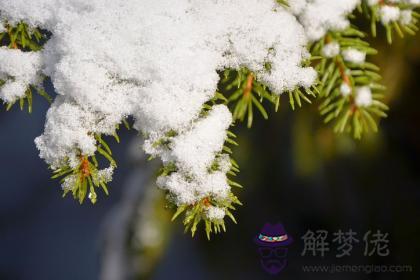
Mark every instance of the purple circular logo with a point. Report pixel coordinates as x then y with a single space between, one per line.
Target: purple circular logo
272 242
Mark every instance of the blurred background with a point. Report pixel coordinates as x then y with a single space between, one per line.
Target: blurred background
294 169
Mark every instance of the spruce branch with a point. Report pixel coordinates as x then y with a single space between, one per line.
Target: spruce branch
400 18
85 176
202 211
244 93
28 97
196 147
23 37
350 93
27 39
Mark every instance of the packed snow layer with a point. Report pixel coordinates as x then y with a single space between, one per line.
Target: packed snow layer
320 16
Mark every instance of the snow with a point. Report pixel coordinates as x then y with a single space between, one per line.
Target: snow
406 17
345 89
18 69
105 175
354 56
215 213
363 96
12 90
389 14
66 133
69 182
157 61
320 16
194 151
297 6
331 49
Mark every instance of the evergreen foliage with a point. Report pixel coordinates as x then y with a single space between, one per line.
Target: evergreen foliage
348 93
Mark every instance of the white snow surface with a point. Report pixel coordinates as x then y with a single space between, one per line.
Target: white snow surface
363 96
389 14
320 16
354 56
331 49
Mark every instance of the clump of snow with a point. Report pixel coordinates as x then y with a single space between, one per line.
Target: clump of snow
215 213
354 56
67 133
320 16
297 6
12 90
331 49
223 162
406 16
363 96
389 14
69 182
105 175
194 151
18 69
345 89
185 190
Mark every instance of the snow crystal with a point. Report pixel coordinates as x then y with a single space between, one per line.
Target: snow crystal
105 175
215 213
389 14
363 96
331 49
345 89
69 182
406 17
354 56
